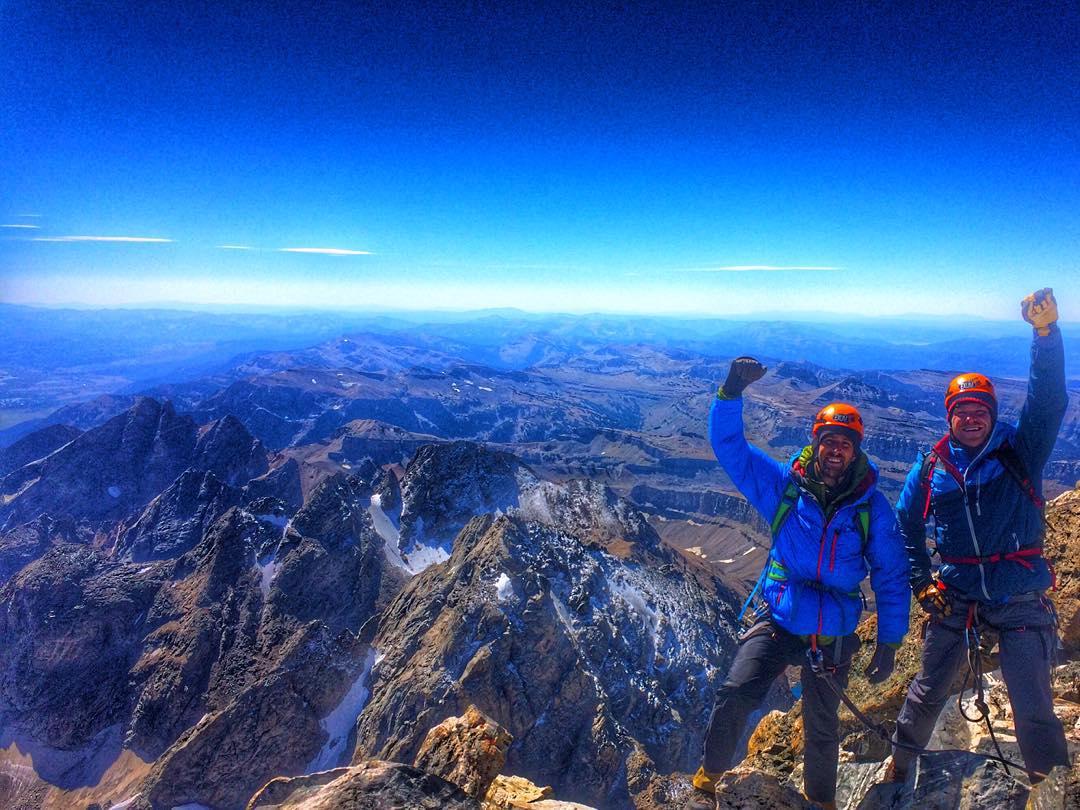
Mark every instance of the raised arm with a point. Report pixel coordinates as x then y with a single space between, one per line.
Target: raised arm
1044 408
757 477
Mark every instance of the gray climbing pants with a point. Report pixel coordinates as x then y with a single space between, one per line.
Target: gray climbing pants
1027 637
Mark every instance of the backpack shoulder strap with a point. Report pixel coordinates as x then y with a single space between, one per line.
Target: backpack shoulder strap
787 503
862 522
1008 458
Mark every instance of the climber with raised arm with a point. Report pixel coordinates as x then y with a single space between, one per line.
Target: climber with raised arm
982 486
830 527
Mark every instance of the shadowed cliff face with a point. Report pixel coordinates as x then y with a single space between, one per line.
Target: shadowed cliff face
110 472
195 659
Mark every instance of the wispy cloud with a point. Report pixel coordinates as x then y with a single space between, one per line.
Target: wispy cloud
327 251
100 239
750 268
235 247
28 227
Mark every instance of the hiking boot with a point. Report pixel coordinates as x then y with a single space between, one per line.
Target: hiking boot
703 796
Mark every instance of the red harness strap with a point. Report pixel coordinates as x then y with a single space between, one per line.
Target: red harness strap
1011 556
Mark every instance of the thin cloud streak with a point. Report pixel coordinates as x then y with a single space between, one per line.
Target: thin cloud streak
235 247
28 227
750 268
328 251
99 239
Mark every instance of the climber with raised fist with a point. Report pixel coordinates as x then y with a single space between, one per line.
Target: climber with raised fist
830 527
982 484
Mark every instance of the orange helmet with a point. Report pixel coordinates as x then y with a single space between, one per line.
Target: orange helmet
841 418
971 387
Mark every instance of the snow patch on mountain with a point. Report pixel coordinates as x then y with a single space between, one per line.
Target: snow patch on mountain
267 571
385 528
339 724
503 589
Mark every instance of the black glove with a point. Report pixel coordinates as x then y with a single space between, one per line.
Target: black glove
881 664
743 371
930 594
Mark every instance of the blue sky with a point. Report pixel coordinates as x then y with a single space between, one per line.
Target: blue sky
573 157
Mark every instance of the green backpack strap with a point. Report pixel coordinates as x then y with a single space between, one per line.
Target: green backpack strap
862 522
787 503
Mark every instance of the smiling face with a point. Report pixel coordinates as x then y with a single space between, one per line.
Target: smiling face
970 424
834 455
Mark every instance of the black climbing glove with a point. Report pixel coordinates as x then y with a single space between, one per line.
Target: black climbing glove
881 664
930 594
743 371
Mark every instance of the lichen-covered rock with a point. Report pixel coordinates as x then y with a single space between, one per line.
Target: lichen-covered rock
468 751
1063 548
746 788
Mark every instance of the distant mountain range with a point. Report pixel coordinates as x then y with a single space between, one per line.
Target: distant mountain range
50 358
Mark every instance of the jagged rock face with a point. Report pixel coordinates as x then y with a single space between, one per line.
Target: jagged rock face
24 544
386 486
224 664
281 483
177 520
445 485
226 448
334 573
36 445
66 615
113 470
571 626
272 727
371 785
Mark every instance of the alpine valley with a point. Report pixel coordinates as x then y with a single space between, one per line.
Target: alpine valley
305 563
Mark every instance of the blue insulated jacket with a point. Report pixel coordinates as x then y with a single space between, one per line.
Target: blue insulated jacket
815 566
990 514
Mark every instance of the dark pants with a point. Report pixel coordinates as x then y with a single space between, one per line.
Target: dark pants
765 652
1027 637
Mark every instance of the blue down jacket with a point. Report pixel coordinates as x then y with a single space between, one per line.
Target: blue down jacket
1003 516
815 566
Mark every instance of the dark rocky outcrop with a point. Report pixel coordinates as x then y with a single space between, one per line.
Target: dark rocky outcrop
24 544
178 519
